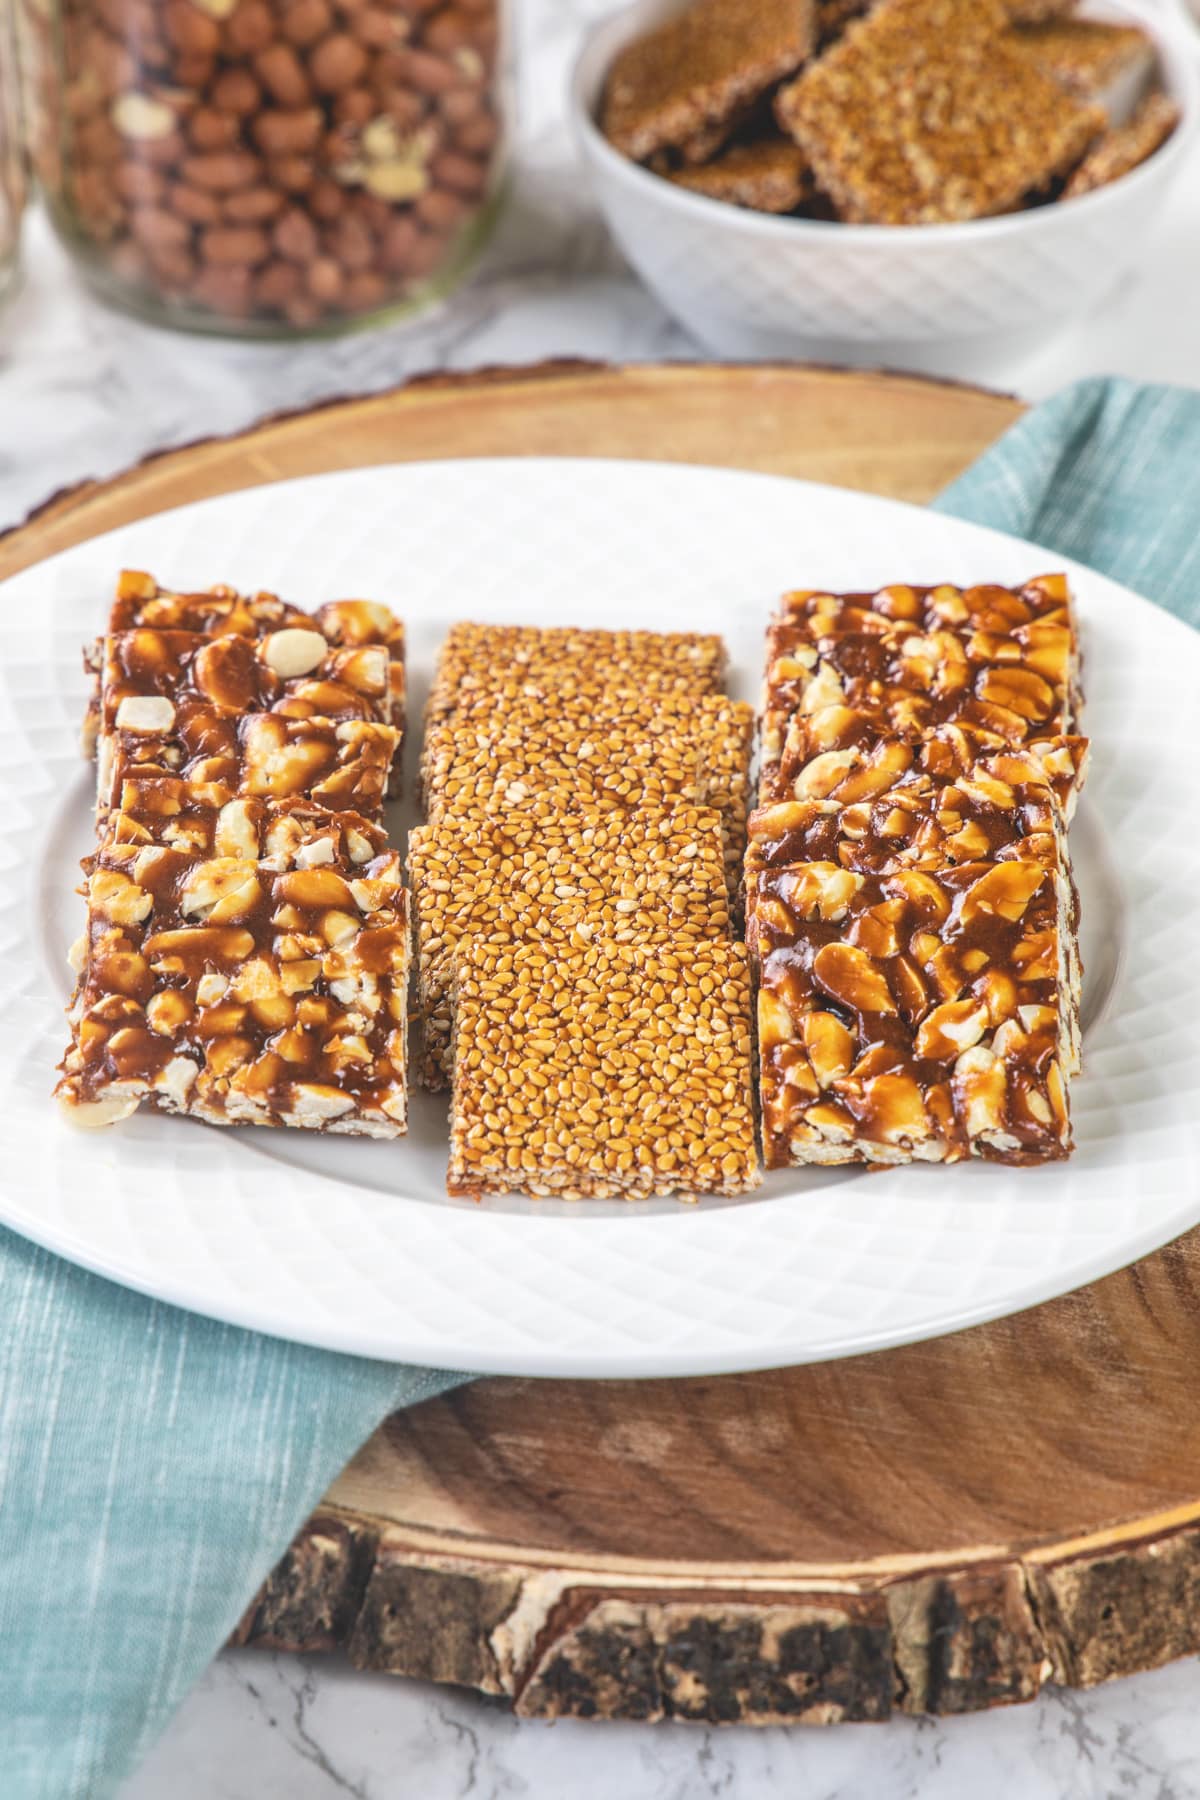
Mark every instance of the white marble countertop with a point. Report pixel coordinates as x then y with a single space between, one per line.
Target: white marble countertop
83 392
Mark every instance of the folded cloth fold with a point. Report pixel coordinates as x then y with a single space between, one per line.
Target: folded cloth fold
155 1465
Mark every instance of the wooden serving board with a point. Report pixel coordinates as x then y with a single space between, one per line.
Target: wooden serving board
941 1528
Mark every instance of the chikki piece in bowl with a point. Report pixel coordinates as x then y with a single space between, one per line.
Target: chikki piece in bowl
602 1071
767 174
654 876
685 86
1094 60
919 115
238 991
916 1015
1125 147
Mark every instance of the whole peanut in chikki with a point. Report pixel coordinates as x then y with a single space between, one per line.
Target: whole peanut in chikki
602 1071
920 115
262 990
685 86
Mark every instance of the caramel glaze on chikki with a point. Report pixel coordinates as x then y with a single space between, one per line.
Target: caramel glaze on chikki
655 876
920 115
686 85
911 1013
1125 147
602 1070
245 989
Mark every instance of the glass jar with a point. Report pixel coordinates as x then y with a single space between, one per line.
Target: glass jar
12 153
270 167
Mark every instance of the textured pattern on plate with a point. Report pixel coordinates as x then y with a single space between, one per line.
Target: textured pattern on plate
355 1245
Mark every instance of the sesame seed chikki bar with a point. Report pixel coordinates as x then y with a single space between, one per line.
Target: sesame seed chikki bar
920 114
264 990
602 1070
655 876
499 658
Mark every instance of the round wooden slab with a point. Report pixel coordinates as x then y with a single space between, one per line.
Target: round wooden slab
940 1528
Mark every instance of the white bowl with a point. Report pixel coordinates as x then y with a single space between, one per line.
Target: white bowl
1189 12
963 299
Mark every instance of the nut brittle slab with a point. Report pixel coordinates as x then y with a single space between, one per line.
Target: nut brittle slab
1091 58
339 763
243 991
999 660
221 611
654 876
920 115
602 1070
684 86
915 1015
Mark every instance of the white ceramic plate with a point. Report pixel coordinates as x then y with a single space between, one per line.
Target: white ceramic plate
355 1245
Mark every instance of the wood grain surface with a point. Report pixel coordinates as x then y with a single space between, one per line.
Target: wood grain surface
938 1528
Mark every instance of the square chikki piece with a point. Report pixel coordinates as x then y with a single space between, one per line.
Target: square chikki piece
684 86
602 1070
221 754
917 1014
623 748
222 612
767 174
1001 661
919 114
655 876
504 661
1125 147
1106 63
258 991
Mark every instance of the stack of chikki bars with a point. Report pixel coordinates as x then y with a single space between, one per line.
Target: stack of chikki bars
573 889
910 907
247 947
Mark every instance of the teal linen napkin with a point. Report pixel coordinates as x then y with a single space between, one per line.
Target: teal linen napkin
154 1465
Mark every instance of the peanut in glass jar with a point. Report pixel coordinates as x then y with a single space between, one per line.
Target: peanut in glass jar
269 167
12 153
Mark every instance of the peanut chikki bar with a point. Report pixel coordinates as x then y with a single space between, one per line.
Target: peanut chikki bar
685 86
602 1070
655 876
919 114
501 659
1125 147
1000 660
914 1014
221 611
263 991
337 763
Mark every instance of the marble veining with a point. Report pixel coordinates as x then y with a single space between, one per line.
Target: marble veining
84 392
